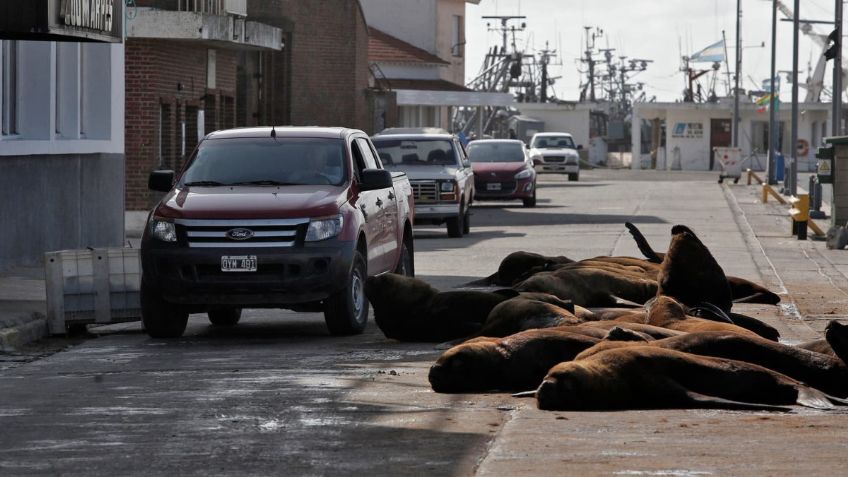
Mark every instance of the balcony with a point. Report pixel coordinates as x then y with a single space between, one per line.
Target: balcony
219 23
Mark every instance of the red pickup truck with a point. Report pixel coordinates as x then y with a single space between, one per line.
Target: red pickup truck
274 217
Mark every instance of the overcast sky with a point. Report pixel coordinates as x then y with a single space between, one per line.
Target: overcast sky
654 30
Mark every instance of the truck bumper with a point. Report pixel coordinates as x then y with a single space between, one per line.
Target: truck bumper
561 168
284 276
436 211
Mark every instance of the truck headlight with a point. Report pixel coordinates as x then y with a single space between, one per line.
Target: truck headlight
446 186
323 229
163 230
525 174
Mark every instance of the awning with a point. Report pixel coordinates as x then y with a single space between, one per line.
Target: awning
410 97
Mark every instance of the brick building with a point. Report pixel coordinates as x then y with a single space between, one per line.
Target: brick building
194 67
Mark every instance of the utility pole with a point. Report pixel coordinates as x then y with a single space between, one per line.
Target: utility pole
738 72
772 134
793 171
836 126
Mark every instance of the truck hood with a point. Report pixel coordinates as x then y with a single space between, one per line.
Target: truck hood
428 172
252 202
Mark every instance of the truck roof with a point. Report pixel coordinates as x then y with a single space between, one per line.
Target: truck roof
412 136
284 131
542 134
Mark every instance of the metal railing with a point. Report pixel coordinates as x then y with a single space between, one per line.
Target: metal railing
214 7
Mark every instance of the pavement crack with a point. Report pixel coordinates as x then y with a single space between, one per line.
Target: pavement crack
494 440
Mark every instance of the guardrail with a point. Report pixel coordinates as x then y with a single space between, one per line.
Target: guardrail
799 211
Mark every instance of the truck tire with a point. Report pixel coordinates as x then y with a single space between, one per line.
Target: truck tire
161 319
574 177
346 312
466 222
227 316
456 224
406 264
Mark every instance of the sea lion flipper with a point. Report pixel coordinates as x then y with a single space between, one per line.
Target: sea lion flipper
643 244
507 292
625 303
525 394
702 400
813 398
483 282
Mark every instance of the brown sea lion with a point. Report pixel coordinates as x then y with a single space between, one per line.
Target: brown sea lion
408 309
690 274
742 290
836 338
516 265
528 311
666 312
820 371
516 362
648 377
590 287
653 332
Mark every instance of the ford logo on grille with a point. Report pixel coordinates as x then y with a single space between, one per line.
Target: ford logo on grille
239 234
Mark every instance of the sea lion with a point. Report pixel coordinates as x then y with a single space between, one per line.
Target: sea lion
742 290
516 362
666 312
648 377
527 311
690 274
517 264
652 332
820 371
590 286
408 309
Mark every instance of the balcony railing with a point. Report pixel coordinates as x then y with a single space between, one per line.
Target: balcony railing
214 7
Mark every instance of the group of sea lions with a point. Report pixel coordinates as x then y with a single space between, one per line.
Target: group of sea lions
614 333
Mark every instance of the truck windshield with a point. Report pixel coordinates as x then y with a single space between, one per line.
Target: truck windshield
267 161
553 142
415 152
495 152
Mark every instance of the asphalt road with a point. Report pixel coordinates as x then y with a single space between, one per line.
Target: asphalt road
277 395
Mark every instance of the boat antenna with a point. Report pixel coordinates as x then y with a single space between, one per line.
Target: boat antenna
273 132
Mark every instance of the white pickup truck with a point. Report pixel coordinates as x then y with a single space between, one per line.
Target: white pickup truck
556 152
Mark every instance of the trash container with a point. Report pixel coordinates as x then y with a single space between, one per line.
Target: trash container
779 165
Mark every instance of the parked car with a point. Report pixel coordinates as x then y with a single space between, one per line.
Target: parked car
502 171
556 152
440 174
274 218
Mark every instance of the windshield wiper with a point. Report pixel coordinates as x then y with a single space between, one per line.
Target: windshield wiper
265 182
205 184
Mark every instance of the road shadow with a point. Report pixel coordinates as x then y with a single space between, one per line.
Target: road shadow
498 216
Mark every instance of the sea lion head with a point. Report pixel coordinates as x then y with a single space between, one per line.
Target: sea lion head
472 366
397 291
690 274
836 335
568 386
520 265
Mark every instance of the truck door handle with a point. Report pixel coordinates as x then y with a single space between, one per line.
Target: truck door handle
379 202
391 196
362 208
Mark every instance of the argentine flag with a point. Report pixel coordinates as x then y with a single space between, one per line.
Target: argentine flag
711 54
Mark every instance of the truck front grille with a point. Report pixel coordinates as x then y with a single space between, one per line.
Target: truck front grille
425 191
554 158
261 233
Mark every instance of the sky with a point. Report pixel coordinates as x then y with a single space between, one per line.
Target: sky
652 29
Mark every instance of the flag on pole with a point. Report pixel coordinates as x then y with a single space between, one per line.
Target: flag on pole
763 102
711 54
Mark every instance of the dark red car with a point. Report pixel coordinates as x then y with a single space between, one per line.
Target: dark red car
502 171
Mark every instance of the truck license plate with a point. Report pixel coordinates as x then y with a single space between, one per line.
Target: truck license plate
493 186
238 263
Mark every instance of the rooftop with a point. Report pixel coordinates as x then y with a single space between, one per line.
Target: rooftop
385 48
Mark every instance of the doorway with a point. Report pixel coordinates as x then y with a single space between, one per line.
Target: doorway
720 136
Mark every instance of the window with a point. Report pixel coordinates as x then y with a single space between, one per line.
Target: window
457 37
367 154
9 87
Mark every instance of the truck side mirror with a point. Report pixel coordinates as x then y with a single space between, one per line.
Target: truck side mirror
161 181
375 179
579 147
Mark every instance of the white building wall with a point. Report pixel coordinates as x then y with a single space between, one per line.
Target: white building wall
560 118
445 13
410 72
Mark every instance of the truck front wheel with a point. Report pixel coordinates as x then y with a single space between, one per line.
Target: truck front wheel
456 224
161 319
406 263
346 312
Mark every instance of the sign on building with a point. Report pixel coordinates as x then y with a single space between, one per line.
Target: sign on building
688 131
62 20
